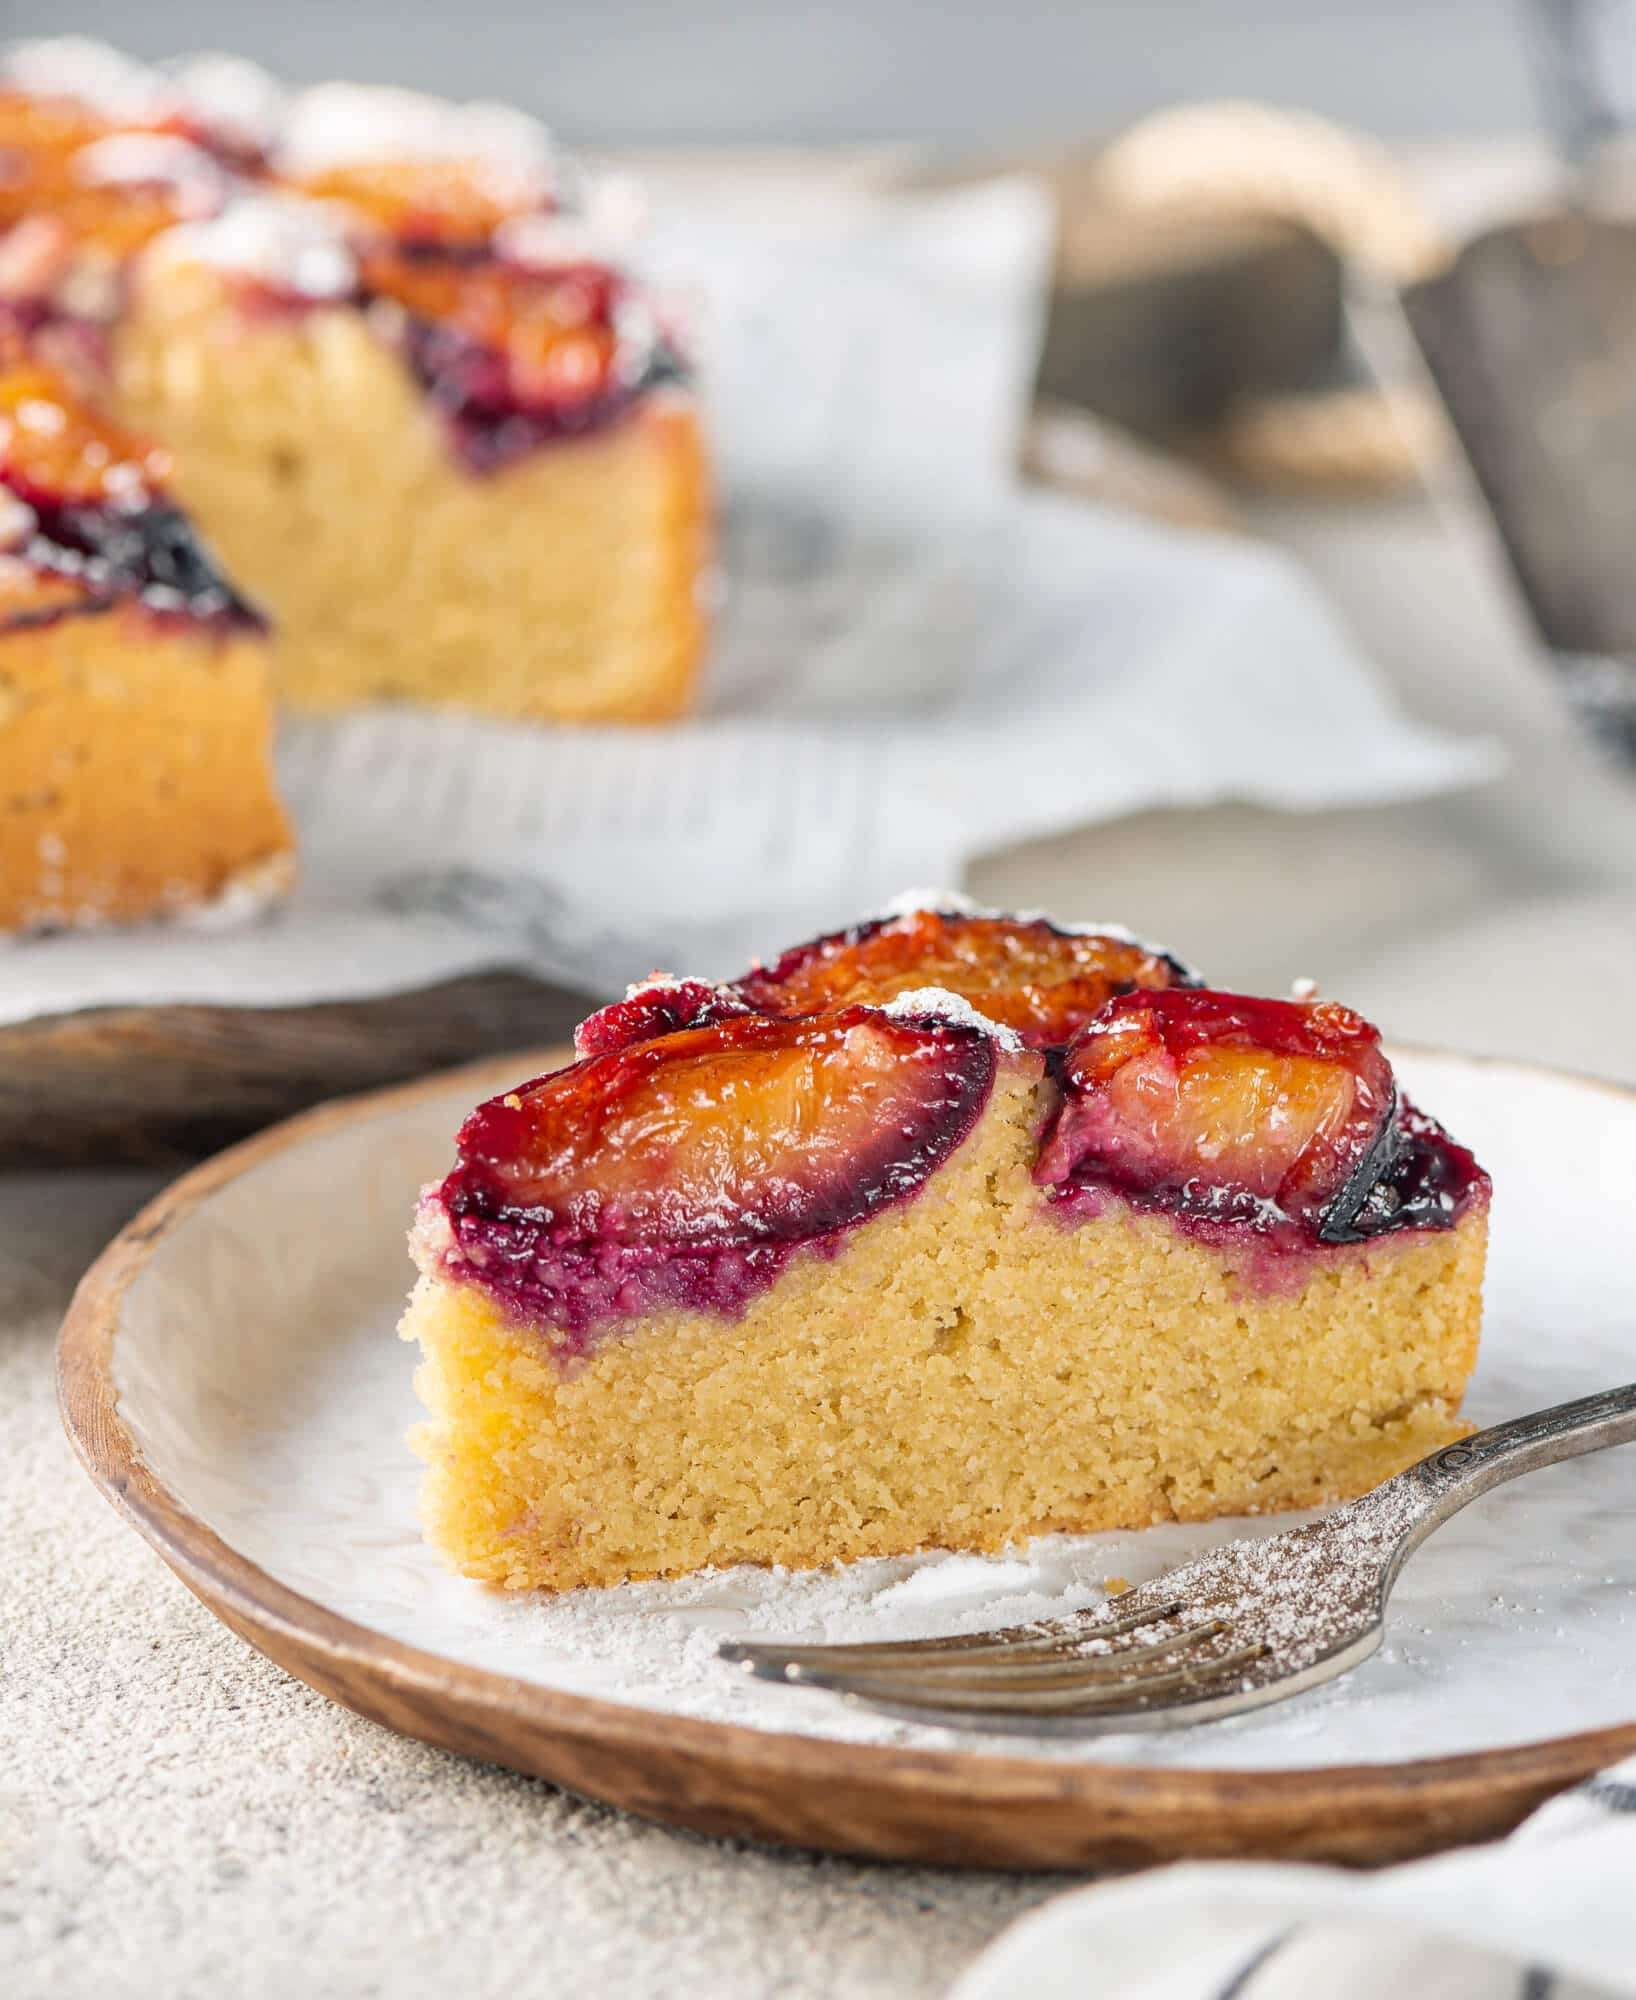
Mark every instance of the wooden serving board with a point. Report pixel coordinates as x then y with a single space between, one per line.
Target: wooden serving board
159 1085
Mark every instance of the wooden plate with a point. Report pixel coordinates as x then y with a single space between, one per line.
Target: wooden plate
232 1290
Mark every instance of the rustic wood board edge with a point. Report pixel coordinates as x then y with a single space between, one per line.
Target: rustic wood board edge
944 1808
162 1085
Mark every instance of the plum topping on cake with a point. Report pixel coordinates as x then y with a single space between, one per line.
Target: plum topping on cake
421 203
85 512
1428 1183
659 1007
513 356
103 188
1277 1117
686 1170
1024 973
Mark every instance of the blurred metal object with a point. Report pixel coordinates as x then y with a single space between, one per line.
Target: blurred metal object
1530 336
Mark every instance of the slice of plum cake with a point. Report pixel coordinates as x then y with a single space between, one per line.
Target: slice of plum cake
824 1263
135 705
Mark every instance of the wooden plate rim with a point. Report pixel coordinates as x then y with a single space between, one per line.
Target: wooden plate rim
883 1802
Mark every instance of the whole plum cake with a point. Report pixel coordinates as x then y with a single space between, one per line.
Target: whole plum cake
947 1230
135 706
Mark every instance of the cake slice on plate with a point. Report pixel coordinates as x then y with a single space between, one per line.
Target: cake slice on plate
816 1265
135 708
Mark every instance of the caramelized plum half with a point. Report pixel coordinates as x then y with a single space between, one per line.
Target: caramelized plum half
83 501
496 337
662 1008
56 450
1026 974
512 356
751 1131
1266 1111
447 204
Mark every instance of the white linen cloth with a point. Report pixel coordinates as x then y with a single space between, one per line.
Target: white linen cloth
1549 1914
916 663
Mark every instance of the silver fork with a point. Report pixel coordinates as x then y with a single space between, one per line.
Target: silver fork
1246 1623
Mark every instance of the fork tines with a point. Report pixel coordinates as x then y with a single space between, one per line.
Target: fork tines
771 1661
1057 1667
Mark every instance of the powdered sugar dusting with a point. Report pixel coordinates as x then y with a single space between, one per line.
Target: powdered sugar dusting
646 1637
234 97
279 240
663 982
945 902
335 125
1301 1594
244 898
90 73
153 159
943 1005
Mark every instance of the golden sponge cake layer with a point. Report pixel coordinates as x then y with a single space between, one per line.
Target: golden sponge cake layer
135 769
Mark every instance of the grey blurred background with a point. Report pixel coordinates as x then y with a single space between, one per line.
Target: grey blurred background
956 75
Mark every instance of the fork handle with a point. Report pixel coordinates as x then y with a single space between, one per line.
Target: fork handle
1446 1481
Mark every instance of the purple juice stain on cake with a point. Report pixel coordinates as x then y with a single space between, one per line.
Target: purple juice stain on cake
686 1171
581 1289
1269 1127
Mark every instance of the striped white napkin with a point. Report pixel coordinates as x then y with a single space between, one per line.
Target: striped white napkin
1549 1914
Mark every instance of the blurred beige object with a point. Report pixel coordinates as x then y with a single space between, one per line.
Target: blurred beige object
1357 440
1080 454
1237 161
1242 159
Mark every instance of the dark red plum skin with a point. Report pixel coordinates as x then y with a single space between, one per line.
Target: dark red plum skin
661 1009
147 553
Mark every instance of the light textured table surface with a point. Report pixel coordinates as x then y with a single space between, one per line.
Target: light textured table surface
178 1817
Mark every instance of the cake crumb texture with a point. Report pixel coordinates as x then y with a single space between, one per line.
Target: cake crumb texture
966 1371
135 770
